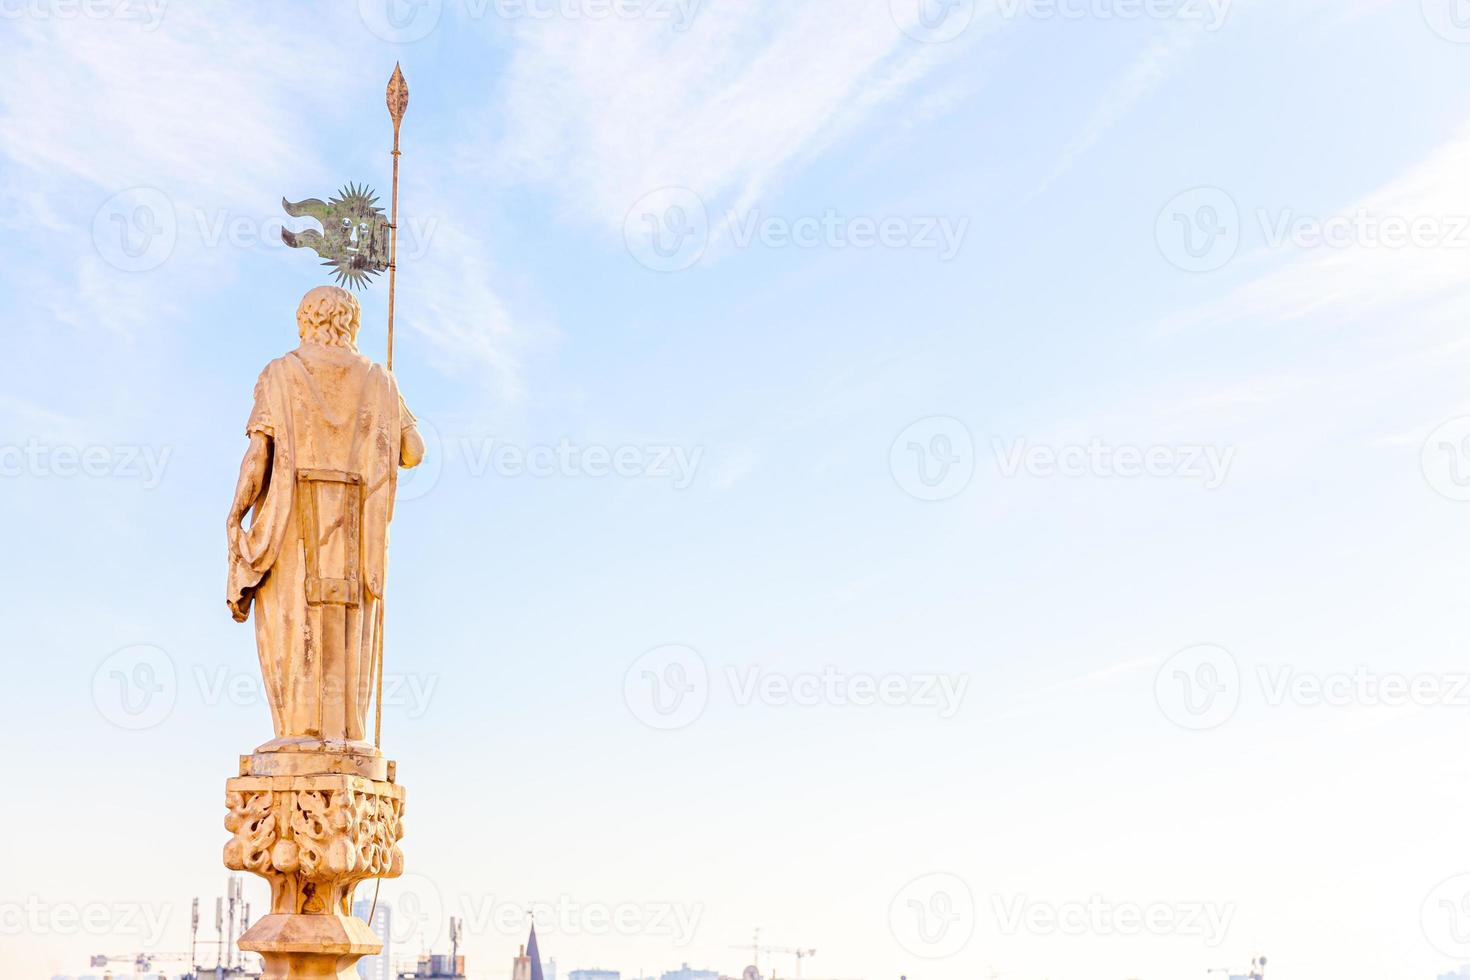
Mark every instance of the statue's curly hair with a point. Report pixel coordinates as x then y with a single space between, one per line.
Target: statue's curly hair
329 315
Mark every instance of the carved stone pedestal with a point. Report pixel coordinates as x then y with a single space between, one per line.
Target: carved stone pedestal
311 947
314 837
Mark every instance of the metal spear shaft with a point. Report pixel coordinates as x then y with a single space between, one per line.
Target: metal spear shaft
397 105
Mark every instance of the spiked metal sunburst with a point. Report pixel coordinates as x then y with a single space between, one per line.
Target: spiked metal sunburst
355 239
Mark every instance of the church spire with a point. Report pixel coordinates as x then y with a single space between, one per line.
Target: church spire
534 953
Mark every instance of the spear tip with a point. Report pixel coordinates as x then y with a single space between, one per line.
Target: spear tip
397 95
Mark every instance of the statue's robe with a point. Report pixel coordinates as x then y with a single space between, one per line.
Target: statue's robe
314 557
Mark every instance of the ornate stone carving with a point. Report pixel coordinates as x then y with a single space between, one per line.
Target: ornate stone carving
314 838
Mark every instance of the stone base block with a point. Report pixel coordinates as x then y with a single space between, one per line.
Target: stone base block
310 947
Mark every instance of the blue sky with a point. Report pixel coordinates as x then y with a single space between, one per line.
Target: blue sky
1090 377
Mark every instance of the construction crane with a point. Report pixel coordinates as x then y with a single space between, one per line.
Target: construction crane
232 913
756 949
142 962
1257 972
800 955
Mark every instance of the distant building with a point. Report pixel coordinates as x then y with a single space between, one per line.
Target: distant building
377 967
437 965
685 973
594 975
550 969
527 964
1463 973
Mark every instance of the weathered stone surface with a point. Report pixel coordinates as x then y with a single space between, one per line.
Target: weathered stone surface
314 838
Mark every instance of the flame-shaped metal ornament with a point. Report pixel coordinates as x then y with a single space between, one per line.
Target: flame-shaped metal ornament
356 237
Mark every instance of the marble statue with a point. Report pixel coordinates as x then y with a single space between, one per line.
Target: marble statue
317 810
328 433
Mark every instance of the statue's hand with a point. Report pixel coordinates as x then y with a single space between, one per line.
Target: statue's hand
411 448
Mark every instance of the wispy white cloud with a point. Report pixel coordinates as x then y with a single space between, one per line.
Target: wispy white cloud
195 106
465 321
604 112
1362 277
221 110
201 102
1157 60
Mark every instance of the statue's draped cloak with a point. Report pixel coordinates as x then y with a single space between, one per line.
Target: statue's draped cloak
327 410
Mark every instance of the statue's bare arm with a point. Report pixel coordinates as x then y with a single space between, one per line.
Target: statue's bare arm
254 472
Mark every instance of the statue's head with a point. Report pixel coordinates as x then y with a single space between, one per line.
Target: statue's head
329 315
